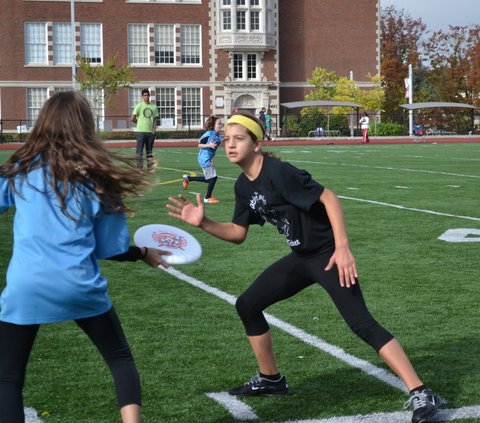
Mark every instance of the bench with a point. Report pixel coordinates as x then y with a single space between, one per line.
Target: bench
326 133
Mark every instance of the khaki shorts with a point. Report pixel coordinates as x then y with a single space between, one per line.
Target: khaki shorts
209 172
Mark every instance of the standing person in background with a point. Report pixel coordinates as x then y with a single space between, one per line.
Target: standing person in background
208 144
145 117
268 125
364 124
67 190
311 218
262 118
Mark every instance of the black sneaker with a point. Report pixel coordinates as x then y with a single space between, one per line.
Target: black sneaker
425 405
261 386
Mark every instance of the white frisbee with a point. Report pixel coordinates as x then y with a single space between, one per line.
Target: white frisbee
184 247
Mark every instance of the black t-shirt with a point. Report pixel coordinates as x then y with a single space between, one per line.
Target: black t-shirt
288 198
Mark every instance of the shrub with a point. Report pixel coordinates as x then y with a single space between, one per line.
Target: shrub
385 129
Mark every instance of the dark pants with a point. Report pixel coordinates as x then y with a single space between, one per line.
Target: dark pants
145 141
211 183
293 273
105 331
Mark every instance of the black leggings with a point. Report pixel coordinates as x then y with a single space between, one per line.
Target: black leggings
211 183
292 274
105 331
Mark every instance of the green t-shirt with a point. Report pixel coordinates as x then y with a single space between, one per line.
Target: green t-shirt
145 113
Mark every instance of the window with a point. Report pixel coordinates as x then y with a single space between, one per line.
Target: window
251 66
35 43
226 20
35 99
164 44
190 44
191 107
241 2
62 44
254 20
245 66
165 98
254 2
226 3
91 42
138 44
241 20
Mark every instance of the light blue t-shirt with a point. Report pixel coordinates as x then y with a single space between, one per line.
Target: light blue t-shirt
205 155
53 274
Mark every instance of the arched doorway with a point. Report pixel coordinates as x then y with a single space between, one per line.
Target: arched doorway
245 102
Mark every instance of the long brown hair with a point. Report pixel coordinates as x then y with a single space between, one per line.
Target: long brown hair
210 123
64 143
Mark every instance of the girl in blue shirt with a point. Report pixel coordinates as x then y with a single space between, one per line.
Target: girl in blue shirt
208 144
67 191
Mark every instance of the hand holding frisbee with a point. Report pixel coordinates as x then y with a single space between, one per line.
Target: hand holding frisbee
184 248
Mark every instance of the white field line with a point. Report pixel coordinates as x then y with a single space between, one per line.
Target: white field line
472 412
238 409
300 334
402 169
396 206
243 412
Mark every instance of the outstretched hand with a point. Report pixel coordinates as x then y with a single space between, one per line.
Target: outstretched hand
347 268
185 210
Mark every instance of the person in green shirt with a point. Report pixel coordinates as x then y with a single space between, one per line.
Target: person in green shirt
145 116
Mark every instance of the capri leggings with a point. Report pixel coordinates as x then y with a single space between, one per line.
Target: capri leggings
105 331
293 273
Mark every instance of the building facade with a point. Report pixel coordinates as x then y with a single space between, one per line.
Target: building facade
197 57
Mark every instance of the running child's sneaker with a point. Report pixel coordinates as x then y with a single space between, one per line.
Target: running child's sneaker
260 386
185 181
425 405
211 200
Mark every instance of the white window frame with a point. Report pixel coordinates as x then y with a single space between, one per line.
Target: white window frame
138 44
91 43
192 107
62 43
190 45
165 43
242 69
36 43
226 20
36 97
165 99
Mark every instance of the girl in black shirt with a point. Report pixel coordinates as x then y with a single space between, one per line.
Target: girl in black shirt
311 218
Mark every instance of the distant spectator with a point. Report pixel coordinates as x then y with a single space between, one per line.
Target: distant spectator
364 124
262 117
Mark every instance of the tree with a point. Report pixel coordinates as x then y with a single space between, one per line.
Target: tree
328 85
104 80
400 46
454 59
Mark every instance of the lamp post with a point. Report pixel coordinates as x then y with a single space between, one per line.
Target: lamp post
74 57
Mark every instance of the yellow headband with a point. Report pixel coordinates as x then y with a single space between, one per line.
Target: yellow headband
250 124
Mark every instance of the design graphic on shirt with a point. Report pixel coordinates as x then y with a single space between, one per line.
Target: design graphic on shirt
259 204
169 240
148 113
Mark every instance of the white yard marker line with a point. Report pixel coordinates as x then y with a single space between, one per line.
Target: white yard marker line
31 415
399 417
396 206
402 169
303 336
238 409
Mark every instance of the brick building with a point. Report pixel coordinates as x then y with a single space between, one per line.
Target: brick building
198 57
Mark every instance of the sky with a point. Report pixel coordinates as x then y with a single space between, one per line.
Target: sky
438 14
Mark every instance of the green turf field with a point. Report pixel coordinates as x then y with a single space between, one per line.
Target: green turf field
398 200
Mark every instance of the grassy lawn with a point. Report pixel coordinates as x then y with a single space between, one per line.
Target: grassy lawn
398 200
